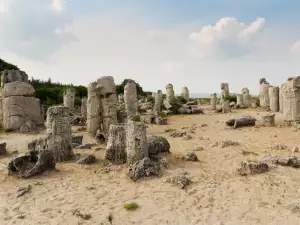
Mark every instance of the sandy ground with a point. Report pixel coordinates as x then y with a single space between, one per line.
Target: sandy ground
218 195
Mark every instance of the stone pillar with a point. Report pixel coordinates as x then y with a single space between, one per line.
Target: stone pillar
9 76
69 98
239 99
109 101
281 100
93 108
224 91
121 98
83 108
130 98
170 93
246 97
116 144
153 95
158 101
264 98
274 98
59 133
185 93
213 101
136 142
225 106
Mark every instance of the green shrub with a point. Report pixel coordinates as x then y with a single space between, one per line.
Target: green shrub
131 206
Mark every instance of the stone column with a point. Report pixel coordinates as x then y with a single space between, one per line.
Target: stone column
121 98
130 98
224 91
93 108
158 101
274 98
109 101
136 142
69 98
185 93
239 99
264 98
281 100
84 107
225 106
246 97
170 93
116 144
59 133
213 101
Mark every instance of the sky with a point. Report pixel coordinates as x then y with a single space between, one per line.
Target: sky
193 43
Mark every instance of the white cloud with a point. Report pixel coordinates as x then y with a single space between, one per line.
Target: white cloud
30 30
227 38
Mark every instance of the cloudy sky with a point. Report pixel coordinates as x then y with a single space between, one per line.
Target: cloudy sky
192 43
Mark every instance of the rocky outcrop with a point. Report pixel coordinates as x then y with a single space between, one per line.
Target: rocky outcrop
69 98
83 108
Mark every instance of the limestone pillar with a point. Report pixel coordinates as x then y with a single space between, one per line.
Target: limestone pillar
170 93
185 93
93 108
281 100
213 101
136 142
83 108
69 98
274 98
264 98
109 101
121 98
158 101
130 98
225 106
239 99
59 133
224 91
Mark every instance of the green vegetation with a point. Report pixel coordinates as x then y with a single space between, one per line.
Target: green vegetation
131 206
231 98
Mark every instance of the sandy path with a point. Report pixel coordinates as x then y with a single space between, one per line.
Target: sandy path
217 196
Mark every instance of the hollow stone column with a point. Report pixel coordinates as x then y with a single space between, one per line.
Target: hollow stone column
158 101
136 142
83 108
274 98
130 98
93 108
170 93
59 133
185 93
109 101
69 98
239 99
264 98
213 101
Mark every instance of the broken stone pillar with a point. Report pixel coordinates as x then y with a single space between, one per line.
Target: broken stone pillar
9 76
158 101
170 93
93 108
136 142
108 101
185 93
83 108
130 98
291 99
281 100
268 120
224 91
116 144
225 106
246 97
274 98
213 101
69 98
59 133
264 98
239 99
19 105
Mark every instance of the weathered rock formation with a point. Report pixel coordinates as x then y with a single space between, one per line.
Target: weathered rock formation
93 108
246 97
225 106
158 101
83 108
268 120
185 93
281 103
274 98
213 101
130 98
224 91
69 98
239 100
170 93
18 102
264 98
121 98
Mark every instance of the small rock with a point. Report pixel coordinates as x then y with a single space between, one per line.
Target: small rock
77 139
143 168
176 134
85 146
23 190
187 137
225 143
182 180
3 148
191 156
87 160
279 146
100 137
295 149
204 125
200 148
252 167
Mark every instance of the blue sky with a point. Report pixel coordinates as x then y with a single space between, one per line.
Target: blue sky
197 44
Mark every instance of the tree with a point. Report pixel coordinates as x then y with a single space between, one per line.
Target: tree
120 87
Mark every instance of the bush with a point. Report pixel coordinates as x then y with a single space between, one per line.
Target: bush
181 100
131 206
231 98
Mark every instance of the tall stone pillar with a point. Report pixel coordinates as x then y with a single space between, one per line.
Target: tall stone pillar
69 98
130 98
213 101
170 93
264 98
93 108
281 103
224 91
158 101
239 99
83 108
185 93
274 98
225 106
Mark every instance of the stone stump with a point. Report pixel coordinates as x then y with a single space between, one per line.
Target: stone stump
213 101
93 108
158 101
264 98
69 98
116 144
136 142
274 98
225 106
83 108
170 93
9 76
185 93
130 98
239 100
268 120
246 100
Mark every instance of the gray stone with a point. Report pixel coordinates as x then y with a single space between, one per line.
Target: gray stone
143 168
264 98
268 120
274 98
182 180
252 167
69 98
89 159
93 108
185 93
158 101
213 101
225 106
130 98
83 108
9 76
190 156
3 148
157 144
170 93
224 91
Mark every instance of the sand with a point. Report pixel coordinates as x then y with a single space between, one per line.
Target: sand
218 195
